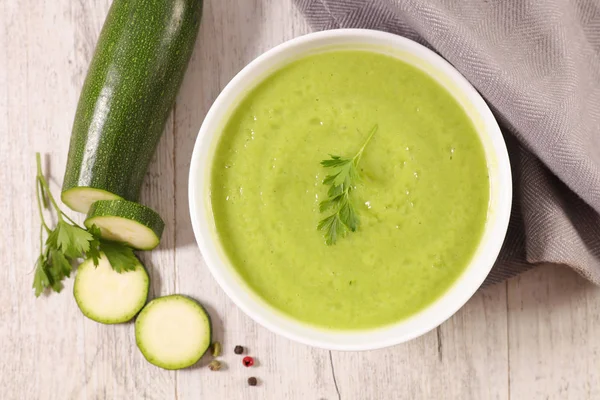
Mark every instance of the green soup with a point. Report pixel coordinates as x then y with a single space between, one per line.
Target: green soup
422 200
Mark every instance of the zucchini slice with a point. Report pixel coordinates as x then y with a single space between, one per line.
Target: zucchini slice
109 297
125 221
173 332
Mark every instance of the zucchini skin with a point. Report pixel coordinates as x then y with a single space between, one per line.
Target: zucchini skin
132 81
130 210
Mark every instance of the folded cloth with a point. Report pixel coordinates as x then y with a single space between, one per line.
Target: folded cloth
537 64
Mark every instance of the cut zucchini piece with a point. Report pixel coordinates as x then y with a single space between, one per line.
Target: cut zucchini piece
125 221
81 198
173 332
107 296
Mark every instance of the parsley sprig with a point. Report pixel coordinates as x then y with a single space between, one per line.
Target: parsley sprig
342 181
68 242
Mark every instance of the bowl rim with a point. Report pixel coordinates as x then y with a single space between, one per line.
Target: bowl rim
266 315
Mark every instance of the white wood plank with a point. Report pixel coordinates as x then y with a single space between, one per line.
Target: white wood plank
40 339
554 335
466 358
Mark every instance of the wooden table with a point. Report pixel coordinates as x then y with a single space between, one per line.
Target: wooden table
534 337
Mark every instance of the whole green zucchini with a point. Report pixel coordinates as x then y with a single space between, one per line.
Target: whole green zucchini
136 71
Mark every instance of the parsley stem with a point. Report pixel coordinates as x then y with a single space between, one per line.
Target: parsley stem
39 204
358 155
43 194
42 238
70 220
46 189
45 186
38 162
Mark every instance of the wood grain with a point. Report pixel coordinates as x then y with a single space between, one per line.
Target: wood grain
535 337
466 358
554 335
37 102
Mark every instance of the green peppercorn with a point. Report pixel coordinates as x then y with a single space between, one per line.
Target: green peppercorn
216 349
214 365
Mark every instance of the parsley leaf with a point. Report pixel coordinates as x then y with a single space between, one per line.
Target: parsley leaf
68 242
332 226
120 256
342 181
72 241
60 264
41 281
94 250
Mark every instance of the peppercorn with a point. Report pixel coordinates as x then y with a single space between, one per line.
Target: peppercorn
248 361
214 365
238 350
252 381
216 349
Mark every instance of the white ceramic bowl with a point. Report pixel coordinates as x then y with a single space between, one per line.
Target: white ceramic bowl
466 284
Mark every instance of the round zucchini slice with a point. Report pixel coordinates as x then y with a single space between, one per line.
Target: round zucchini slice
107 296
173 332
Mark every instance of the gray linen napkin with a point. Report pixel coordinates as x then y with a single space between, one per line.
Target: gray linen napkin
537 64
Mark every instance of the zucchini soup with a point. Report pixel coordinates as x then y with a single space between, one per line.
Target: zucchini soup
367 240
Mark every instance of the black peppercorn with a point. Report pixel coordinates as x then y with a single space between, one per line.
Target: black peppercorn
238 350
252 381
